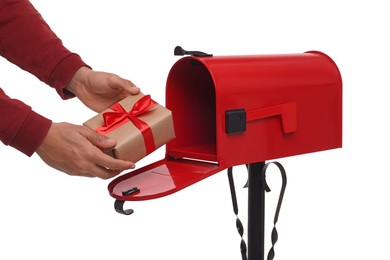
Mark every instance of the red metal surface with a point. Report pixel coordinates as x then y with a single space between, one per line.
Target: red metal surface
287 112
200 89
293 106
161 178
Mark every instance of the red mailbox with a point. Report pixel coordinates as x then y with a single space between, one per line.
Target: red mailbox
233 110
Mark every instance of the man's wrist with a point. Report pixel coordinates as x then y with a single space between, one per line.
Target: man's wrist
77 80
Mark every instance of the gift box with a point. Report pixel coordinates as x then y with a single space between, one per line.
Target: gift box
138 124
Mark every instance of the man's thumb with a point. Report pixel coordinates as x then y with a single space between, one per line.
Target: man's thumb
102 141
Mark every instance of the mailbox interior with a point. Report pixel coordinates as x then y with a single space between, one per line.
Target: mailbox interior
191 98
192 155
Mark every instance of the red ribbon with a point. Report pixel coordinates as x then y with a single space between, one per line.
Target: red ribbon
120 116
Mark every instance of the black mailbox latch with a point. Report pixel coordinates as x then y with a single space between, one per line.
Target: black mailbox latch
235 121
179 51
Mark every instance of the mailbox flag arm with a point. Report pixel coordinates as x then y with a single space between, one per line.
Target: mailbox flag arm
287 111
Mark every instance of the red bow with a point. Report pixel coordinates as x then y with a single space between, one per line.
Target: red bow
120 116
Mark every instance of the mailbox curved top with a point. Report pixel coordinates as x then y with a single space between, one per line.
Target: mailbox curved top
292 104
254 74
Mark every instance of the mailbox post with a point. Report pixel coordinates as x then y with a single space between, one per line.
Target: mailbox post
240 110
256 211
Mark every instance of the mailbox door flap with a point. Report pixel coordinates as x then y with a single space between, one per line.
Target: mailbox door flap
161 178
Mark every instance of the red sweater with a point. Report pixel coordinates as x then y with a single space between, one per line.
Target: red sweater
27 41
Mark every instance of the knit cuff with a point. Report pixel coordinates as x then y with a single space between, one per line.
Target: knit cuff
63 73
31 134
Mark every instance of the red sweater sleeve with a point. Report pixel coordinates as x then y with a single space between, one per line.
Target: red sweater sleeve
27 41
21 127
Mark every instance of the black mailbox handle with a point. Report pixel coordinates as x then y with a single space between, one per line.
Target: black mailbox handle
119 204
119 207
179 51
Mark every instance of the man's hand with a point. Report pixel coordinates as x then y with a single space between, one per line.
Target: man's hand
99 90
78 151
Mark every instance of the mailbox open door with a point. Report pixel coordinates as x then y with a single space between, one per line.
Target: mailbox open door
234 110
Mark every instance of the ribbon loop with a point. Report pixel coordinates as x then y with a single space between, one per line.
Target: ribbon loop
119 116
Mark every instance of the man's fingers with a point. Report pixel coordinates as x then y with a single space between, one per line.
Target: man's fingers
124 84
99 140
104 173
104 166
130 87
109 163
101 164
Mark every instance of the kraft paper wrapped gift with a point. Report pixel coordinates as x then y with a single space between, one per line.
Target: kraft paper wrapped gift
137 123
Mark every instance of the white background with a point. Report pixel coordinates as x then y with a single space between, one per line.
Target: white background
336 203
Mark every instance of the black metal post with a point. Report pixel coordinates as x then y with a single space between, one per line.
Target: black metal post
256 211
